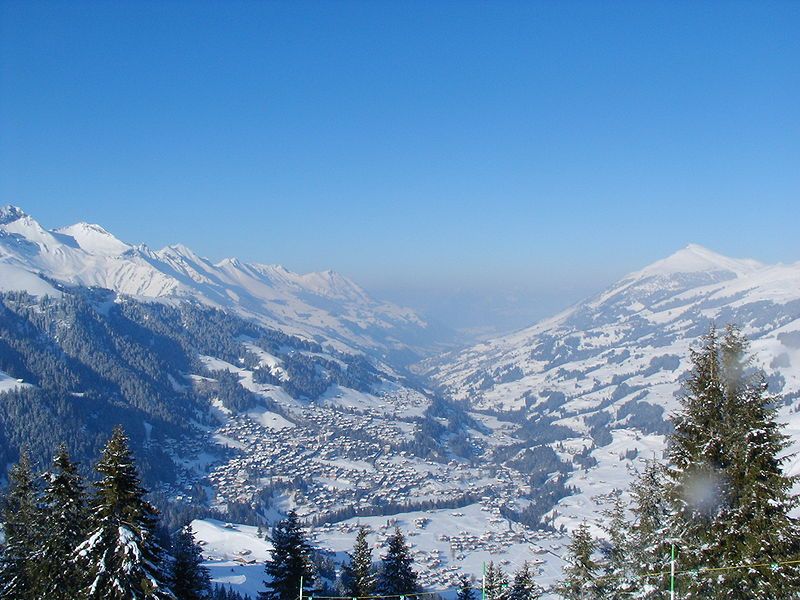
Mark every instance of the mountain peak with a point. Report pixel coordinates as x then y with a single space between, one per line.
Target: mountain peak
232 262
10 213
94 239
333 284
93 227
695 258
179 251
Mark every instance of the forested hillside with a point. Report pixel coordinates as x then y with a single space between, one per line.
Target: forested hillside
81 363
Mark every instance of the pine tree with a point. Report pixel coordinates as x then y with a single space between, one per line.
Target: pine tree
523 587
758 526
730 498
466 588
190 580
65 518
220 592
121 556
618 577
290 561
649 552
698 487
358 576
580 581
495 583
22 533
396 575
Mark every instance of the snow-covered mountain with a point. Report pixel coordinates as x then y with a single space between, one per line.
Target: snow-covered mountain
324 306
631 341
227 414
605 374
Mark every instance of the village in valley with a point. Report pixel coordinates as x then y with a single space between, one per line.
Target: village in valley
346 461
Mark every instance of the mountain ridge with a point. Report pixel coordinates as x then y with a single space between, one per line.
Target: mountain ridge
317 305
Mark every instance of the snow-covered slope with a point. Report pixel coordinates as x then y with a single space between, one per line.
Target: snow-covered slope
94 239
325 306
609 369
632 340
441 543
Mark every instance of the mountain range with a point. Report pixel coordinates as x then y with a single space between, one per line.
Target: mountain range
323 306
248 390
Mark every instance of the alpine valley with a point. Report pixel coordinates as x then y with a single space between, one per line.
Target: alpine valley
248 390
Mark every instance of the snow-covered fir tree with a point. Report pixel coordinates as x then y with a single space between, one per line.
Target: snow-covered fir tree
699 489
189 579
618 577
466 588
523 587
289 563
121 557
731 500
495 583
220 592
65 519
396 574
581 570
358 575
647 544
21 530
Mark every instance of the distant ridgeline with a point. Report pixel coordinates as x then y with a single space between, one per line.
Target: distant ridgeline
77 365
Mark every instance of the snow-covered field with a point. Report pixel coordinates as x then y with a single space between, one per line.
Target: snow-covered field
10 383
234 553
444 543
612 473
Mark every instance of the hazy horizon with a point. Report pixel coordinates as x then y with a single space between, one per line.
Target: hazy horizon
486 163
473 311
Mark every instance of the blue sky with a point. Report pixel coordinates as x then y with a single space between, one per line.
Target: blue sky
517 153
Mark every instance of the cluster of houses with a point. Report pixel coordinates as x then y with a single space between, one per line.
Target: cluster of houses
337 457
333 459
439 558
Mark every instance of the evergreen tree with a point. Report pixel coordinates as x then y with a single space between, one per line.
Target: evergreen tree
649 552
730 498
121 556
358 576
22 532
220 592
698 487
580 581
189 578
396 575
757 522
466 588
523 587
65 518
289 563
617 580
495 583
